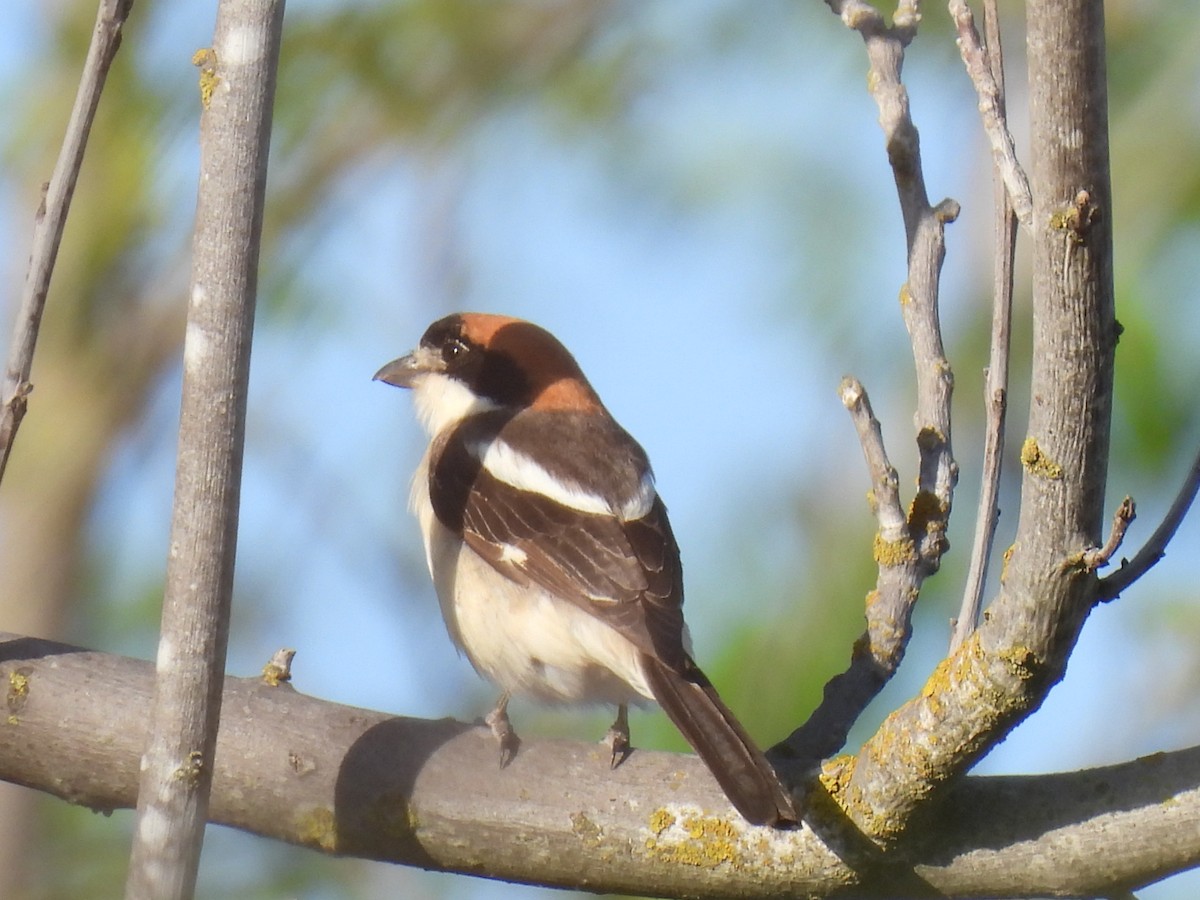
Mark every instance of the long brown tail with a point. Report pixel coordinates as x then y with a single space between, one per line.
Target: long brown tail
738 765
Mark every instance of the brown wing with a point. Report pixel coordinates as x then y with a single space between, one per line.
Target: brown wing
626 573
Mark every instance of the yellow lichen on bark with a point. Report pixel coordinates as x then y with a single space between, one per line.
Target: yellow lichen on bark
893 553
699 841
1036 462
18 694
586 830
205 59
661 820
318 827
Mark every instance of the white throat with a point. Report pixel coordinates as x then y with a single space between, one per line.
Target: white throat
443 402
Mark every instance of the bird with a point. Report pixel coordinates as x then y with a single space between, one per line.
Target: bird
550 550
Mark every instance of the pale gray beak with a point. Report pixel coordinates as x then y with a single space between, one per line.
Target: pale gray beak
405 371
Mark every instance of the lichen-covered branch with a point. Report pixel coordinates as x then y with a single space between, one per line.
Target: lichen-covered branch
908 554
354 782
877 653
925 237
1005 669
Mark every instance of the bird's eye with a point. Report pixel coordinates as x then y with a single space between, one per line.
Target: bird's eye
454 349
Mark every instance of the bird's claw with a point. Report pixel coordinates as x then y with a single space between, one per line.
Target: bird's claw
501 728
619 745
617 738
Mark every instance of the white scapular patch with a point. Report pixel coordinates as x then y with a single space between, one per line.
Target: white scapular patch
519 471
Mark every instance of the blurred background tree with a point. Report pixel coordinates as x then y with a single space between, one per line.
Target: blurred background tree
699 187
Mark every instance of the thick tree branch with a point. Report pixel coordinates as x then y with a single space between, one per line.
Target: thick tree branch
428 793
52 218
237 89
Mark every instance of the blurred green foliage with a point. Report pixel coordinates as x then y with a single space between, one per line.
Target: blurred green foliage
422 80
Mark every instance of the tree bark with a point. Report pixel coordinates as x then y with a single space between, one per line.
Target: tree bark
1004 671
428 793
237 91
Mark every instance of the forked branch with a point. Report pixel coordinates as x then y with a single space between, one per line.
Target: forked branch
1156 547
1003 671
910 544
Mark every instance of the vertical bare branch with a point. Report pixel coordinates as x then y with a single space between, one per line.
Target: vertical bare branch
924 227
910 550
52 217
885 483
996 382
987 76
237 86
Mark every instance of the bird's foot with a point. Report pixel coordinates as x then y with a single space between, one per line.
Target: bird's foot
497 720
617 738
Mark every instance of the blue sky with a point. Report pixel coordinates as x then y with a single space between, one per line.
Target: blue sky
679 304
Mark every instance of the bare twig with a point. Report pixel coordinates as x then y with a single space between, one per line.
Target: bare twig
1155 548
879 651
924 227
52 217
996 386
237 91
1098 557
885 483
991 108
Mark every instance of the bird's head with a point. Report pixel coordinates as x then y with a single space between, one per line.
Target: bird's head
468 363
